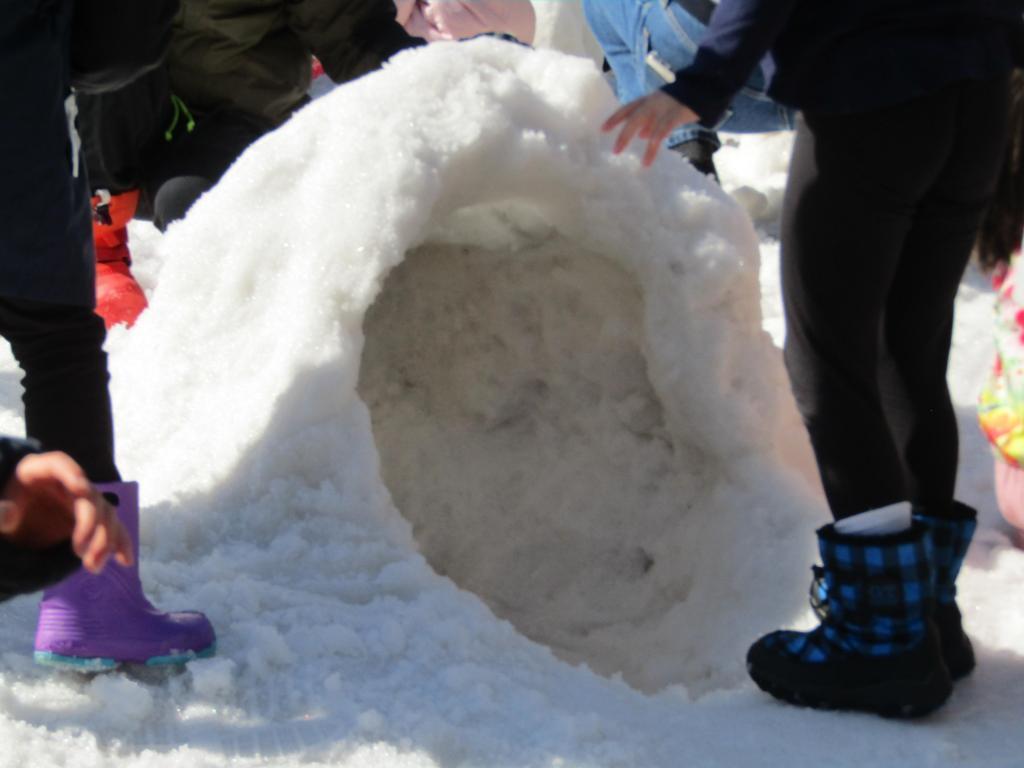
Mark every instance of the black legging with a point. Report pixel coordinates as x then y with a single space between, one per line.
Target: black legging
67 403
880 214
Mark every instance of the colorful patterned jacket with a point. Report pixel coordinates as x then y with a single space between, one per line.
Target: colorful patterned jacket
1001 403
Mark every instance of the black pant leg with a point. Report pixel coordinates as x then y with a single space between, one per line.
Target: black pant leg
195 160
833 296
919 312
123 131
856 185
67 402
175 197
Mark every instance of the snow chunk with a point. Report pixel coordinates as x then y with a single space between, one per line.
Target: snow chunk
566 367
213 678
120 700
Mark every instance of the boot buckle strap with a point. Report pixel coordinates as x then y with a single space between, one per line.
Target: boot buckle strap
101 207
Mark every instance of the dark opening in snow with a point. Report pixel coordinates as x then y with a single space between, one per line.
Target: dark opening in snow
521 437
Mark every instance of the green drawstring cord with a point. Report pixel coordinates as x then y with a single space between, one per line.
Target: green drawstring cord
179 108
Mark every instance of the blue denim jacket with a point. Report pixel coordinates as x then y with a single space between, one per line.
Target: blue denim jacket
845 56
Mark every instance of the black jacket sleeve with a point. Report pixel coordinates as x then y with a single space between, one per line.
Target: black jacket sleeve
24 570
738 37
115 41
350 38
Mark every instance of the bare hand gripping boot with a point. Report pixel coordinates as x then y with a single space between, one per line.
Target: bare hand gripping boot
92 623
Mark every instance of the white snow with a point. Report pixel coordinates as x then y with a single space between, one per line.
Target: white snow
473 442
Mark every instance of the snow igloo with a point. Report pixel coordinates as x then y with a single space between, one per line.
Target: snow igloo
433 321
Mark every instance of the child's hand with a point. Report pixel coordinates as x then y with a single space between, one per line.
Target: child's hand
652 117
49 499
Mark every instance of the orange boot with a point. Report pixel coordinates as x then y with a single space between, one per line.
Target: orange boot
119 299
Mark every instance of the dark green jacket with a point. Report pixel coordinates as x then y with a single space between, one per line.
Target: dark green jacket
255 55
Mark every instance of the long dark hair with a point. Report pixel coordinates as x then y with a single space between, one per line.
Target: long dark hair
1003 225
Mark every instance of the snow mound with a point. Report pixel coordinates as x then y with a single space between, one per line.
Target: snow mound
576 404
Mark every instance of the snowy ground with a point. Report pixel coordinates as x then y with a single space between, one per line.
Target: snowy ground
472 442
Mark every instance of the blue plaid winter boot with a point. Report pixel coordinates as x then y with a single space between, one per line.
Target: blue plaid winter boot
948 539
875 649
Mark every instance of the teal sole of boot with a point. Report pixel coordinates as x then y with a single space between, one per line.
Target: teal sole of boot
55 660
182 658
79 664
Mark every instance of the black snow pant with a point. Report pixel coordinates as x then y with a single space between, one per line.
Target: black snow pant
880 214
67 404
192 162
139 137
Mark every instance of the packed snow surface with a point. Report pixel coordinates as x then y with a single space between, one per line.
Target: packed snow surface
473 441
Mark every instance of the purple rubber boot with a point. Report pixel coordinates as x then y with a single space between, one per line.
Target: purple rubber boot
94 623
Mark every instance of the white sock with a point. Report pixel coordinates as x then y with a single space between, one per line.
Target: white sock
883 521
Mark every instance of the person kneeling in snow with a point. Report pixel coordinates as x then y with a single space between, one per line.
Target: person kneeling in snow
46 311
235 70
438 20
902 129
646 43
52 520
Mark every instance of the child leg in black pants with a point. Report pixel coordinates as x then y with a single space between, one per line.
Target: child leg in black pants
67 403
86 621
881 211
